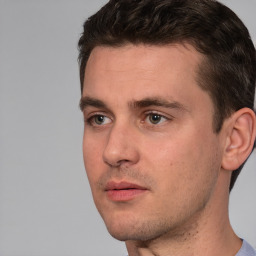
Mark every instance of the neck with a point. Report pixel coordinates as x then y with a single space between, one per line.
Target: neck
207 233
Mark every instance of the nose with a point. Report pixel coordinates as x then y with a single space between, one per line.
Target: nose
121 147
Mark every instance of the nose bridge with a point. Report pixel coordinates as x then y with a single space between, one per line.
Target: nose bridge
121 145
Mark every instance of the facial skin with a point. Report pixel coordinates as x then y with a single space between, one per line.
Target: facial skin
176 159
150 153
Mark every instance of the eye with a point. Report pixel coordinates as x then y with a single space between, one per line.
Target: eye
155 118
99 120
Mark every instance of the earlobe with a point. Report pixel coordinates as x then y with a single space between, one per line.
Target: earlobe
240 138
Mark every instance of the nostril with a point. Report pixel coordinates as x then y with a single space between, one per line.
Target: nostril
119 150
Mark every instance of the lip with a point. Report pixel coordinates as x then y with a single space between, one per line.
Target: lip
123 191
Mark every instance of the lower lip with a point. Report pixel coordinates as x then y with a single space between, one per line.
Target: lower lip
125 194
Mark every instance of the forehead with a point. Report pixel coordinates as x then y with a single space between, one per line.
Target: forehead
139 59
133 72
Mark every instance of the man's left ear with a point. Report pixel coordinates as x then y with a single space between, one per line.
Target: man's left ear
241 127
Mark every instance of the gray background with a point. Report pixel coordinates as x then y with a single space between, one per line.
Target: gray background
45 202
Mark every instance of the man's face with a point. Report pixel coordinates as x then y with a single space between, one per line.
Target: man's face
150 153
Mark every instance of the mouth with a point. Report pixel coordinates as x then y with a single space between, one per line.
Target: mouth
123 191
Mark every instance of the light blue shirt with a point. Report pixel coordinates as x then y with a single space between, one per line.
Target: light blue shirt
246 250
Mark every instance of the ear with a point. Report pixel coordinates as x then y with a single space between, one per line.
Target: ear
241 127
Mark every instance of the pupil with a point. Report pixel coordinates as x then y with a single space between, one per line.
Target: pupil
155 119
99 119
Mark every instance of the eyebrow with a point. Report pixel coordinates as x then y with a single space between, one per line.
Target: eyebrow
135 104
148 102
92 102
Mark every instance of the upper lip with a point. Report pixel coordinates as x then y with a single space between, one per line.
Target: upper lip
112 185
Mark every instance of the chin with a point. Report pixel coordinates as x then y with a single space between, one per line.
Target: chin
122 229
137 230
125 235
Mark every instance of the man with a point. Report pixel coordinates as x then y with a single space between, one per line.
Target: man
167 96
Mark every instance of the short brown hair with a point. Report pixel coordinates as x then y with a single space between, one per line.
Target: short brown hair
228 71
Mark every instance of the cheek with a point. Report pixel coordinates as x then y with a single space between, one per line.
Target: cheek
180 160
167 152
92 153
185 175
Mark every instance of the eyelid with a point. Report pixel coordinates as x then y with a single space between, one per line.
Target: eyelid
89 117
152 112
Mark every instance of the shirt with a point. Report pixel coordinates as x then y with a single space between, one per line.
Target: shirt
246 250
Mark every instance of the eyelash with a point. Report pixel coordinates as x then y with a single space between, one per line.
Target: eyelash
91 119
151 114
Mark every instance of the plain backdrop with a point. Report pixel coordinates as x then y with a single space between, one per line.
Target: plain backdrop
46 207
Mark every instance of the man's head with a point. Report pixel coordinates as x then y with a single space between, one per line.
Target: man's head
228 69
165 88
